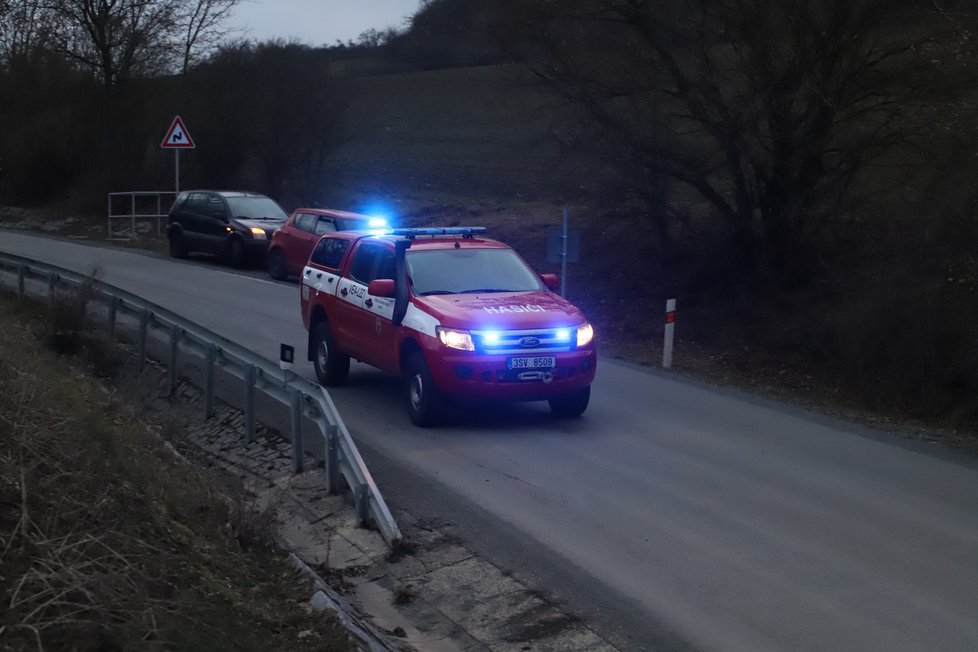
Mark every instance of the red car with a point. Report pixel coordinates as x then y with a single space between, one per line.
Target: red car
291 245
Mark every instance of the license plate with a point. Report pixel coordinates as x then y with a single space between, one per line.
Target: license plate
532 362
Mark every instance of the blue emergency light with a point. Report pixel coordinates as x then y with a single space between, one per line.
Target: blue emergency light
464 231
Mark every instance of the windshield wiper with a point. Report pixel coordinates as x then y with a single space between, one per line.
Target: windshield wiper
477 290
430 292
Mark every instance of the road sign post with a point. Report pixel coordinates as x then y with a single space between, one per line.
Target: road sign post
563 246
177 137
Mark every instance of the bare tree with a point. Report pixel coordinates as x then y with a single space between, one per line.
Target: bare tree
116 39
22 30
202 22
123 39
767 109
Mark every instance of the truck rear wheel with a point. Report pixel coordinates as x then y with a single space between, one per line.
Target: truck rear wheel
572 404
424 401
332 366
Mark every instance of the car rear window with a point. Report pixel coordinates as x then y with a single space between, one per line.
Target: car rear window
325 225
304 221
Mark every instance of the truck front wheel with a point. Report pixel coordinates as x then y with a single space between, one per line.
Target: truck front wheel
332 366
572 404
424 401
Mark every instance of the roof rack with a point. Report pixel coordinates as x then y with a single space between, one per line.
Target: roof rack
464 231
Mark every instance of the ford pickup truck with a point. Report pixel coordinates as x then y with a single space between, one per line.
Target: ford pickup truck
455 314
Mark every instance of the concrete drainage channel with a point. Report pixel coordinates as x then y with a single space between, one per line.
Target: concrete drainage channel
435 595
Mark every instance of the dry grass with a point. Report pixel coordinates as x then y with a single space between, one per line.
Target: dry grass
108 541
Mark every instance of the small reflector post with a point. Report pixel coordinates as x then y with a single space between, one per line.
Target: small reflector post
669 334
286 355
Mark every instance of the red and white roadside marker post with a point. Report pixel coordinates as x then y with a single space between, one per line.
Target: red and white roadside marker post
669 333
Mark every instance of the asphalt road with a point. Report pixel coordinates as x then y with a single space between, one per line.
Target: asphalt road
671 516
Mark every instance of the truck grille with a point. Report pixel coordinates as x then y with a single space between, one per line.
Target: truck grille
543 340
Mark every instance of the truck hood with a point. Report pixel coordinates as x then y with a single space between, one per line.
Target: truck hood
503 310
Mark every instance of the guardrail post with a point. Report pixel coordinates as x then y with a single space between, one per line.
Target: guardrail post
113 307
158 216
21 277
332 465
250 404
143 328
297 452
52 285
363 504
175 333
209 381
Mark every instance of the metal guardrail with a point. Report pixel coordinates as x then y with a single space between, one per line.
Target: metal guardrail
302 397
141 205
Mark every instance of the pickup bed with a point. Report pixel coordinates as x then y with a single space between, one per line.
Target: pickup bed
455 314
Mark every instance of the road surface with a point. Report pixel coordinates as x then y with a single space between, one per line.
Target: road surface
672 515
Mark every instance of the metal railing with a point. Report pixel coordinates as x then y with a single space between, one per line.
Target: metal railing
302 397
139 206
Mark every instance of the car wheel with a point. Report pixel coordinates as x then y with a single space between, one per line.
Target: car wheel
178 246
424 402
276 265
332 366
236 253
572 404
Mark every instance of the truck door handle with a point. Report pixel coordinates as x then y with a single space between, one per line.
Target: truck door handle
344 292
369 303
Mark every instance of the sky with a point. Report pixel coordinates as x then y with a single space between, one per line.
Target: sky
318 22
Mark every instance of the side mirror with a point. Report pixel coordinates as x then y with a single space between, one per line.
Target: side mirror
552 281
382 287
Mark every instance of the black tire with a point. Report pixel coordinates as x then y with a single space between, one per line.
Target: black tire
332 366
236 254
424 402
178 246
276 265
572 404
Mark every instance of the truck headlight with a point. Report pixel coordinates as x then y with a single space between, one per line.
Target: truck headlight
257 233
456 339
585 334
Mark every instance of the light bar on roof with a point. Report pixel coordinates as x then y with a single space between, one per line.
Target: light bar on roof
451 230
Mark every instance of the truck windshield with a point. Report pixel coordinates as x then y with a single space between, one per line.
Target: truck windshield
457 271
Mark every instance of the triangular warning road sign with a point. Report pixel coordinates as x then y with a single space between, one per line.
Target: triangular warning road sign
178 136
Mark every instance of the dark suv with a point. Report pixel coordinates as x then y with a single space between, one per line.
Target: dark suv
234 225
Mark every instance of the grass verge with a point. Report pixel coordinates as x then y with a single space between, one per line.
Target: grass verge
108 540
